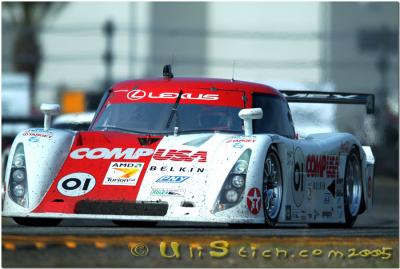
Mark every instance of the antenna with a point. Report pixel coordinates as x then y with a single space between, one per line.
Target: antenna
233 71
167 71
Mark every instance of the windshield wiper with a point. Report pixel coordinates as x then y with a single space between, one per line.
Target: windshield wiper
174 110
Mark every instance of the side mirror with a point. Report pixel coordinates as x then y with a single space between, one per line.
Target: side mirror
49 110
248 115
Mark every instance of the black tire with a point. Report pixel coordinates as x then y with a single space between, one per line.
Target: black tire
46 222
128 223
349 217
272 220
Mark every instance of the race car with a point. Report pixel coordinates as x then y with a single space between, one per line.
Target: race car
191 150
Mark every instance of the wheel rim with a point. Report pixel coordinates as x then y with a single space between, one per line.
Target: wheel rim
272 186
353 185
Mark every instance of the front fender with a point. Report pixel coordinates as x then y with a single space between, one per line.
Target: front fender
45 152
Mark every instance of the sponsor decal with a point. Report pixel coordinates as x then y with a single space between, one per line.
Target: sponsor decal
322 166
182 169
33 139
242 139
327 198
326 214
318 185
254 200
237 145
166 192
38 133
137 94
332 188
115 153
123 173
339 190
172 179
76 184
180 155
298 177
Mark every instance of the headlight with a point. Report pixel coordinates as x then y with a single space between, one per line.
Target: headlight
19 190
232 191
18 175
238 181
17 183
240 167
231 196
19 160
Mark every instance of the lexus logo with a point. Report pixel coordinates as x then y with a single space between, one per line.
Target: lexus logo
136 95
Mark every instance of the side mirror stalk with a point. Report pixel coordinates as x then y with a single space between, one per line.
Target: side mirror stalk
49 110
248 115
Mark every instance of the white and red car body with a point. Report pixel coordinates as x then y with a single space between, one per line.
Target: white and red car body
109 174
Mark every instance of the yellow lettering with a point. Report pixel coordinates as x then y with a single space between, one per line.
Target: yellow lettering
175 250
279 251
198 247
267 253
316 252
253 251
242 252
222 247
335 253
386 253
303 253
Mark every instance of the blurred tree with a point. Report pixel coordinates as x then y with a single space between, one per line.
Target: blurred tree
27 20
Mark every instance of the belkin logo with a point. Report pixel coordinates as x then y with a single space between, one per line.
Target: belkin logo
172 179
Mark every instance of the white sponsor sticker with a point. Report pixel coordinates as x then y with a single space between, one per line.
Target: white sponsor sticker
76 184
167 192
123 173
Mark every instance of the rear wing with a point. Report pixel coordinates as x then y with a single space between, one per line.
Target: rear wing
331 98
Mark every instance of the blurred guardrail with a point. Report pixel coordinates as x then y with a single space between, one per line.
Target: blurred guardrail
34 121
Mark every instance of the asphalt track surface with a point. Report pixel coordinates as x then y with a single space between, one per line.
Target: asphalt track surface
383 220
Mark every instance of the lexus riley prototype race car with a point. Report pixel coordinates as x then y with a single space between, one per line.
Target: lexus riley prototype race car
191 150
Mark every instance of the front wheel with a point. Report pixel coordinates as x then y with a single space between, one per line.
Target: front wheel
37 221
272 187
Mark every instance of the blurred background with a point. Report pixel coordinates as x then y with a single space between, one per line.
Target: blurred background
71 52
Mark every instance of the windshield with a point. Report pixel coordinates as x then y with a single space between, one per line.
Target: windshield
152 118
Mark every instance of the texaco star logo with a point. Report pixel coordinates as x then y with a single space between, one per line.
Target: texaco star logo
254 200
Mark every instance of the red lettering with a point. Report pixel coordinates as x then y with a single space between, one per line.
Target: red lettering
202 155
159 154
180 156
317 165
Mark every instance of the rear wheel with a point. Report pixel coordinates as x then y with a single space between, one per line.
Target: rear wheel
353 193
37 221
272 187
